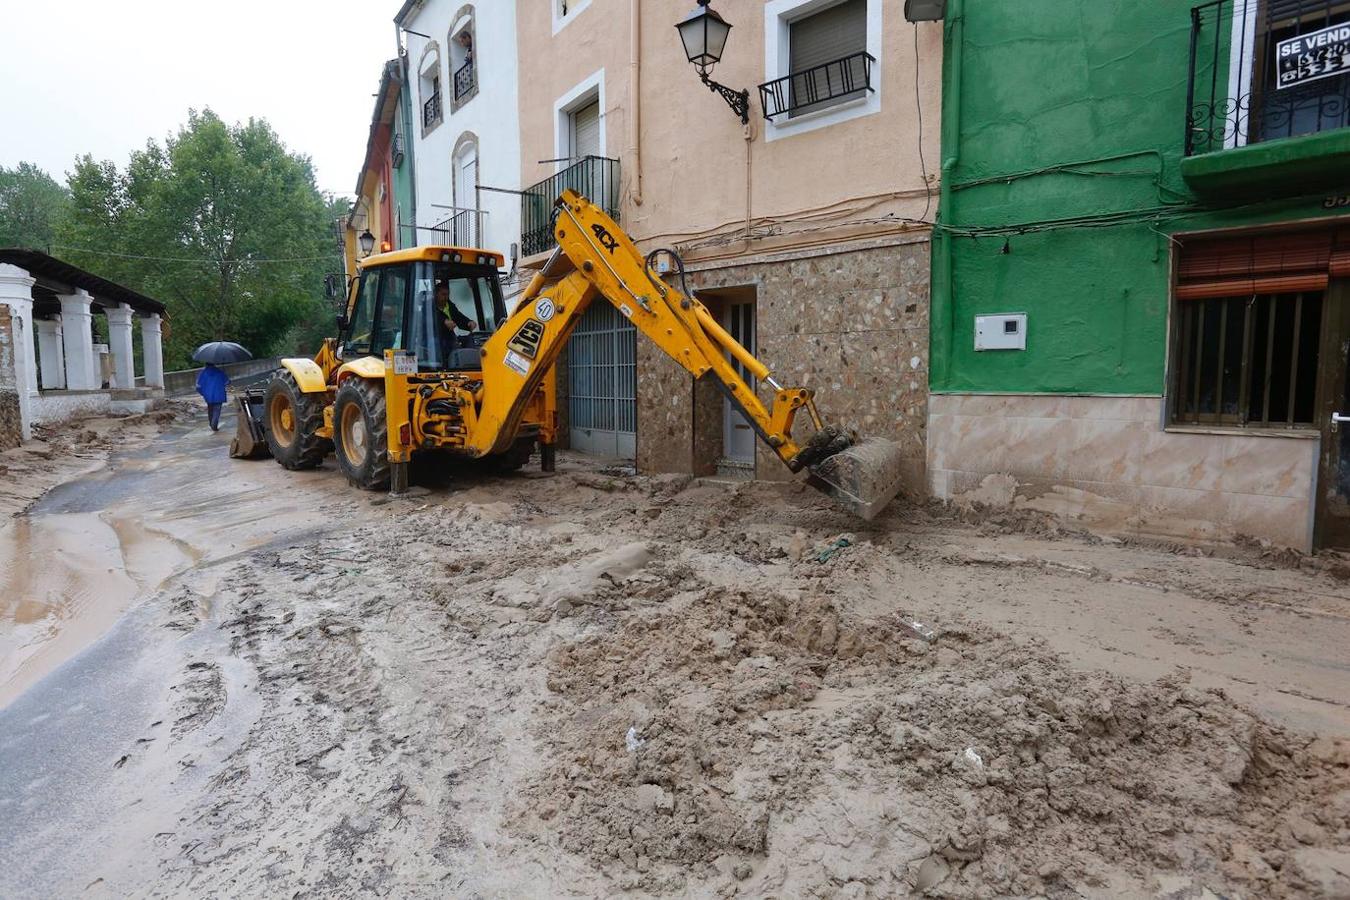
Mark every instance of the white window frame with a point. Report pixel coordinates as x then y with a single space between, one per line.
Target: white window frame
778 16
1242 47
590 90
574 9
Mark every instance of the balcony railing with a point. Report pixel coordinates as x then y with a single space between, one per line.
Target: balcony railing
594 177
465 80
465 228
818 87
431 110
1266 69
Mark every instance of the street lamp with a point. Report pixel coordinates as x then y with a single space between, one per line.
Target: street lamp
367 241
704 34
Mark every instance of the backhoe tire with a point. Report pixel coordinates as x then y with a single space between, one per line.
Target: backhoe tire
515 458
361 434
293 419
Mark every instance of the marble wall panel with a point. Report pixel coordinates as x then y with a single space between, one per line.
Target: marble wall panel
1108 462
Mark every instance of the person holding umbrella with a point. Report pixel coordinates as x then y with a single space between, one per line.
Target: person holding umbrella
212 381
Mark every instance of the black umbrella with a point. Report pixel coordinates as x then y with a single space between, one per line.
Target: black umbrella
218 353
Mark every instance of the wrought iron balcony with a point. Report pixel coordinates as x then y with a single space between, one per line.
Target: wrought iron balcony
594 177
818 87
465 228
465 81
1266 69
431 110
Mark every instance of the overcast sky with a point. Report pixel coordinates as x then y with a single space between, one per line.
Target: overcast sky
103 76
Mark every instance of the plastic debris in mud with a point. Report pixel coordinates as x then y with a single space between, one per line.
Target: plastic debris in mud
918 629
631 739
832 548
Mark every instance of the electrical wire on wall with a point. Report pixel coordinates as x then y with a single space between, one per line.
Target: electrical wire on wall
918 109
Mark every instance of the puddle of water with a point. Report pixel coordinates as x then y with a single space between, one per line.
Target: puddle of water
68 577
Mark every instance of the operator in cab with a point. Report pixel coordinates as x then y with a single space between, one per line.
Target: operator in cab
450 316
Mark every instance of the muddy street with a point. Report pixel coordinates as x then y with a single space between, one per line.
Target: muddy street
223 679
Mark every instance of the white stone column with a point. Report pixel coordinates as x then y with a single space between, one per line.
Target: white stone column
119 340
16 292
152 351
51 355
76 321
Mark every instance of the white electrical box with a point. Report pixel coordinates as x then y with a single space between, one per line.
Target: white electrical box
1004 331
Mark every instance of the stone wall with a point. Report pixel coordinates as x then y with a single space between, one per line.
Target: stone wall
11 426
853 325
1108 463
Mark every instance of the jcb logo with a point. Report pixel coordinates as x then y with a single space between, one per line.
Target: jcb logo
605 238
526 340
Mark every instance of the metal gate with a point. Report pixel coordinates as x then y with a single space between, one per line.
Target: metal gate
602 383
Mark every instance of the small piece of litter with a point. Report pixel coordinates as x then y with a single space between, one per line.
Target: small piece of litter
918 630
832 549
632 740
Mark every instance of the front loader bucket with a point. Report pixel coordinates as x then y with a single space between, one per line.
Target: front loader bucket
249 440
863 478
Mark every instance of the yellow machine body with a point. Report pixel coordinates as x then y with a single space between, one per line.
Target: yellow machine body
379 412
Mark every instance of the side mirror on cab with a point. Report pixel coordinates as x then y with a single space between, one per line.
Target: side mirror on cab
341 322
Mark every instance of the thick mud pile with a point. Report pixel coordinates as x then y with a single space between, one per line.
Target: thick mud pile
766 744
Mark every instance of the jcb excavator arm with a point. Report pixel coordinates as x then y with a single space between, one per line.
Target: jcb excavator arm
596 259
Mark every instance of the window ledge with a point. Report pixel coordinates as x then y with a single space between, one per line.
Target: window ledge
1300 434
787 120
1310 162
823 118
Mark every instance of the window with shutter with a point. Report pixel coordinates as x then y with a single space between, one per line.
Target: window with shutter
1247 327
586 131
825 57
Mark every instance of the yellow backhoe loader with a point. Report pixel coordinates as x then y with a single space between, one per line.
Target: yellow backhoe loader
427 359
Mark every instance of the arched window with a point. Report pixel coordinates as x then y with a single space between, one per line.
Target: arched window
429 84
463 58
466 224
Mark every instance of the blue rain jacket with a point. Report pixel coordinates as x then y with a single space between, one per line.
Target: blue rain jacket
211 384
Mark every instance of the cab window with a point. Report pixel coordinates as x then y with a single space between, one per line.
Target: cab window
389 325
455 307
363 314
377 320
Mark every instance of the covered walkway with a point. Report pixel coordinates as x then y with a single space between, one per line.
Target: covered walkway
61 365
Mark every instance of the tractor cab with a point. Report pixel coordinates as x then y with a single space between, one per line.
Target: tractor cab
439 303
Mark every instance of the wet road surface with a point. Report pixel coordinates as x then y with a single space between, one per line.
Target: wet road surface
83 666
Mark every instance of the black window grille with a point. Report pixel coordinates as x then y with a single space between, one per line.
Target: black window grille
594 177
818 87
465 80
1248 361
431 108
1266 69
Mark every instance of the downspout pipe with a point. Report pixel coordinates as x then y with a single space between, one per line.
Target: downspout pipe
943 295
635 97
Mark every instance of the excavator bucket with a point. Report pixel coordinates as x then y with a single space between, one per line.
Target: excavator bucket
249 441
863 478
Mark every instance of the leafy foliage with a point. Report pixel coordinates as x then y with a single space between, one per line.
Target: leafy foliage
221 223
31 203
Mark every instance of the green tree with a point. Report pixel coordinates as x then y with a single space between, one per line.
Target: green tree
221 223
31 204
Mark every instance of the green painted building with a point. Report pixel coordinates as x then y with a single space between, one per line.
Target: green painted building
1141 262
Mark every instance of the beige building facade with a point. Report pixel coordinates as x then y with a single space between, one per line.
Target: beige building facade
804 229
